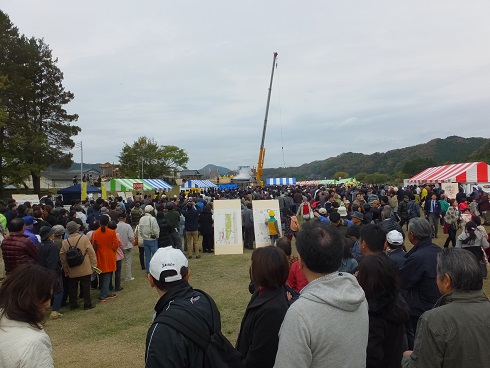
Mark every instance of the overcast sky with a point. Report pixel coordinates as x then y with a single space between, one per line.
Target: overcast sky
358 76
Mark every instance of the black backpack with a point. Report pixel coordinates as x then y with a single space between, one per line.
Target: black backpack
218 351
74 255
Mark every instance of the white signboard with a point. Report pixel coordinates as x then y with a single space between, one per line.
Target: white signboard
228 237
22 198
261 215
450 189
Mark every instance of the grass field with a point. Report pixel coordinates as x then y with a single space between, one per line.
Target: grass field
113 334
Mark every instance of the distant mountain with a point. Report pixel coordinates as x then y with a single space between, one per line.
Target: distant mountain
436 152
214 170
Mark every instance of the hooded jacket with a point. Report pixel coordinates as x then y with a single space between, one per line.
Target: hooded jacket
322 327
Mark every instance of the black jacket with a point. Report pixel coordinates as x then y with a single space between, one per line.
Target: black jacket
387 338
165 346
259 333
206 223
49 256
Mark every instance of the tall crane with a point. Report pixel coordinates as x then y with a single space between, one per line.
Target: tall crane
260 164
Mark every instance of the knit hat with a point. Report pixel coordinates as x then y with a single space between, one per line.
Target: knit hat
271 213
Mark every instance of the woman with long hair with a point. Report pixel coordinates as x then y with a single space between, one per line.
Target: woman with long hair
24 297
388 312
105 243
258 338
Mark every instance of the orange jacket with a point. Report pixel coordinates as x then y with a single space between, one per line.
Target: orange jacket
107 244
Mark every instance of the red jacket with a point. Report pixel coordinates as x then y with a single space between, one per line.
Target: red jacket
296 280
18 249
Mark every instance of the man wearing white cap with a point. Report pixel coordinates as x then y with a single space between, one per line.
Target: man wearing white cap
394 247
166 346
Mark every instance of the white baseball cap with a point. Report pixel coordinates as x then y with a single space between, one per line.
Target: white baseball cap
394 237
166 259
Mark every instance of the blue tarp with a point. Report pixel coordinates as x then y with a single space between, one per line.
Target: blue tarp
228 186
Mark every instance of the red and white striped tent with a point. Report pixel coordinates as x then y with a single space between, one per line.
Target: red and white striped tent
471 172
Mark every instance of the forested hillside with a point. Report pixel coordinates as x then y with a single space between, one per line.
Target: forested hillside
400 163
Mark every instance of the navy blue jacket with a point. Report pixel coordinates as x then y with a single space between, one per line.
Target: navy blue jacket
418 277
437 207
191 218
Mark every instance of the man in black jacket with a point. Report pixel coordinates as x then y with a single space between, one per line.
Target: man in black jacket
165 346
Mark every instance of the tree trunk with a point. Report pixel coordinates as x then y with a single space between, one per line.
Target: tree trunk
36 182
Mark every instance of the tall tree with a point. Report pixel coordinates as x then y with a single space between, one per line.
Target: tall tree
146 159
38 129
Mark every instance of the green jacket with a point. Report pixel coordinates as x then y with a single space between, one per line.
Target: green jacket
453 334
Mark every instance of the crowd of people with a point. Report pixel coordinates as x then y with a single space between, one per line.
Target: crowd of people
352 297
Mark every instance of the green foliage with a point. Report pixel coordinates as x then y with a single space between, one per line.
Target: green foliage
482 154
413 167
436 152
146 159
361 176
35 129
341 174
376 178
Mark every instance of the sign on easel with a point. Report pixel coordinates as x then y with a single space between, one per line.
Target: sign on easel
228 237
261 211
450 189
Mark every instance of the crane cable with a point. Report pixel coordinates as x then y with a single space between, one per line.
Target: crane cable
280 115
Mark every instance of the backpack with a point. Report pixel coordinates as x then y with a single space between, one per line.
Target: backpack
74 255
218 351
306 209
294 225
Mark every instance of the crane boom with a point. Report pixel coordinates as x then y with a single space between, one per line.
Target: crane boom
260 163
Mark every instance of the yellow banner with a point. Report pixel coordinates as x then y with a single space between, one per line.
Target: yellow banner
103 187
84 191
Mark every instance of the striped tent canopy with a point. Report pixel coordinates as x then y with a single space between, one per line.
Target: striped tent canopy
280 181
125 185
471 172
198 184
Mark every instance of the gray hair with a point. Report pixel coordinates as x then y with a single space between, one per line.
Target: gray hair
386 213
420 228
462 267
